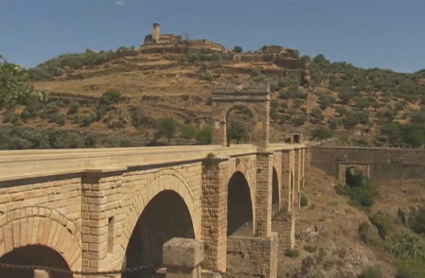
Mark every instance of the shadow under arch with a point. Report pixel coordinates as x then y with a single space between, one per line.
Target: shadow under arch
354 176
166 216
239 210
275 192
33 255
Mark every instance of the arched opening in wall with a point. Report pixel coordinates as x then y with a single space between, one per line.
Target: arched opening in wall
166 216
33 255
354 176
275 192
240 122
239 207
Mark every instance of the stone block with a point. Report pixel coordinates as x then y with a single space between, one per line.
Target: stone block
210 274
183 252
39 273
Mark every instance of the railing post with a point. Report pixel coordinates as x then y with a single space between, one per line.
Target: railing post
182 258
40 273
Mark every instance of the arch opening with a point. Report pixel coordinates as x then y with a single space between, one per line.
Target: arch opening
354 176
33 255
240 121
166 216
275 193
239 210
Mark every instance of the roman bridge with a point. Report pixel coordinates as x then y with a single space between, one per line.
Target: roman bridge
227 208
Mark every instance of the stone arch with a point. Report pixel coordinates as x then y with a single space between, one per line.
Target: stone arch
275 192
161 181
228 109
255 98
164 217
354 176
242 167
240 210
33 255
40 226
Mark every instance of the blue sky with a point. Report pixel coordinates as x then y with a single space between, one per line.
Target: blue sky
367 33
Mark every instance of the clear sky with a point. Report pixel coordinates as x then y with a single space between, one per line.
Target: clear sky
367 33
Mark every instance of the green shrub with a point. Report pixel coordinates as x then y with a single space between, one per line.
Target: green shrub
125 143
362 197
110 97
73 108
371 272
383 223
61 119
310 249
364 232
410 269
303 200
405 245
417 222
294 253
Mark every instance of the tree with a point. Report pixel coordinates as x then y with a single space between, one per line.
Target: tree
15 85
319 59
237 49
236 132
203 136
305 59
187 132
167 128
321 133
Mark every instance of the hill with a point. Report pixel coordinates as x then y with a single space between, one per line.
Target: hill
131 94
370 234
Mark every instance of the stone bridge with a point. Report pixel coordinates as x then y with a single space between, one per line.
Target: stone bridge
95 210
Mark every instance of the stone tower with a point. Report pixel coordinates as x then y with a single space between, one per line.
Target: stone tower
155 32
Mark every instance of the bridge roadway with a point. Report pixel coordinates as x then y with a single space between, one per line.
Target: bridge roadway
33 163
107 209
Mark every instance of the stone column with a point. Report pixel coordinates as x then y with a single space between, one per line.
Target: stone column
284 225
39 273
302 165
219 133
263 194
285 189
297 179
100 227
215 176
182 258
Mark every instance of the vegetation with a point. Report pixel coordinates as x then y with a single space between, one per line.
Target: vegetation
359 189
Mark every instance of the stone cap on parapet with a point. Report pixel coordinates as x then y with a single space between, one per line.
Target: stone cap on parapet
233 88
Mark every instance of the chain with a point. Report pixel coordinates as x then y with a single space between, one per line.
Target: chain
85 273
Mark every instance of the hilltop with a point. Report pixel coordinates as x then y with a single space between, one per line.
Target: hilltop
132 93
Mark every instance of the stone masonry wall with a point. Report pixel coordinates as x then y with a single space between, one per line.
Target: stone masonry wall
42 210
252 257
284 225
385 163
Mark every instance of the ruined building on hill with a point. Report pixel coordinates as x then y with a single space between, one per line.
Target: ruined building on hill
156 43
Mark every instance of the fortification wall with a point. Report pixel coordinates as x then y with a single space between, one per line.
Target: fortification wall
385 163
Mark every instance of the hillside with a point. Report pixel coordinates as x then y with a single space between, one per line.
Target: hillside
146 90
370 236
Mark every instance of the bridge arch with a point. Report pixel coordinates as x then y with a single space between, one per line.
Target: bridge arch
275 192
163 210
240 210
31 231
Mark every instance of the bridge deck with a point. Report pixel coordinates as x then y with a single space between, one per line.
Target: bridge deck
34 163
